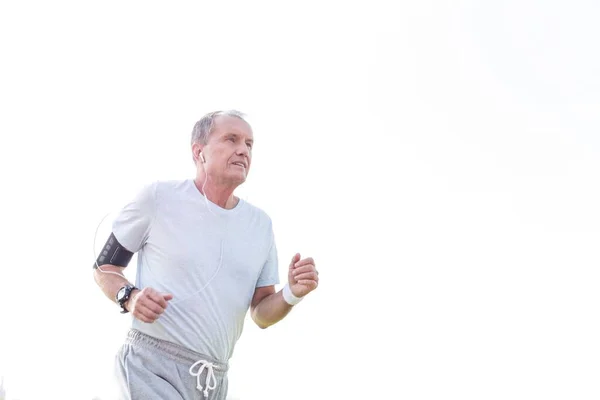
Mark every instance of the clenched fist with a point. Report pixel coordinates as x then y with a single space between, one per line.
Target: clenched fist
147 304
303 276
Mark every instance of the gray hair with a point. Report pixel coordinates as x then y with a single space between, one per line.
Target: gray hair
203 128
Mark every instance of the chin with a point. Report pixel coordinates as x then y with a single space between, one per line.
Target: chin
238 180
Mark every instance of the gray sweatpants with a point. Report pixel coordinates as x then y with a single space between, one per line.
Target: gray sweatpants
152 369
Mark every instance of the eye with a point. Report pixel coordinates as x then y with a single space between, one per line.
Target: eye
231 139
249 145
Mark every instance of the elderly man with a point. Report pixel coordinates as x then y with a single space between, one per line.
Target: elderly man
205 257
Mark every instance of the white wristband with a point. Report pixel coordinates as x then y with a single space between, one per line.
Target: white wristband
289 297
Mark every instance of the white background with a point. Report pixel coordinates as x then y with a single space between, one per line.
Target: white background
439 160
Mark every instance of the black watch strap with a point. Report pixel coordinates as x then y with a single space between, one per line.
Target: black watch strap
123 296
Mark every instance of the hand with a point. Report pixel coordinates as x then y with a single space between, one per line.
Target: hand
303 277
147 304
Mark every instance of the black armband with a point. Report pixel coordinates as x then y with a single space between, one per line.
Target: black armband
113 253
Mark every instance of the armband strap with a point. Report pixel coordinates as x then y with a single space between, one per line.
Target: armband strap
113 253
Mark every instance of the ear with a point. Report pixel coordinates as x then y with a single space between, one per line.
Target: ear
196 150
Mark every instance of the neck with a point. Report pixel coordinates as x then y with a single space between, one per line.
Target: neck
221 195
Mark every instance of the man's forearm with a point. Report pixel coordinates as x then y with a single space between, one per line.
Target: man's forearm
271 310
110 283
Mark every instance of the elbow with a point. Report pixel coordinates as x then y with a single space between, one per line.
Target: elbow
96 277
262 325
258 322
99 277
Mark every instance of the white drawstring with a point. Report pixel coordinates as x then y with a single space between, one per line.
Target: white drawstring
210 374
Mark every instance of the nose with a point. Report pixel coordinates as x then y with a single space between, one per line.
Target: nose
243 151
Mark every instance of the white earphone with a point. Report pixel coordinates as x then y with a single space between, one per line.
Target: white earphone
201 157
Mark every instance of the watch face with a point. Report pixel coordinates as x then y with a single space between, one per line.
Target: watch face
121 293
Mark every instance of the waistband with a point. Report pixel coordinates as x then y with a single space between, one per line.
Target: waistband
172 350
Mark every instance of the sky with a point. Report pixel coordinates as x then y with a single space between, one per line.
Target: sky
439 160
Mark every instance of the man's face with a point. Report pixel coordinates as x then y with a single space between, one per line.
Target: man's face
228 153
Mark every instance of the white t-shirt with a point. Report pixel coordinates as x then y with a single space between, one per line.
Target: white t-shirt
211 260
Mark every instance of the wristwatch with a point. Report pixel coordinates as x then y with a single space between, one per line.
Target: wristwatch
123 295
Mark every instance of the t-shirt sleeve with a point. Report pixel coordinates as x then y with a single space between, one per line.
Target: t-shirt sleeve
132 225
270 271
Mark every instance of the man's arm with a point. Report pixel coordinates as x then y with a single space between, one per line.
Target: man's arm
108 281
146 304
132 226
269 307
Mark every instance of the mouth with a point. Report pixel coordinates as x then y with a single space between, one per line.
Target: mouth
240 164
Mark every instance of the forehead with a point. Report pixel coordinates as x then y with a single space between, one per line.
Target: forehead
226 125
